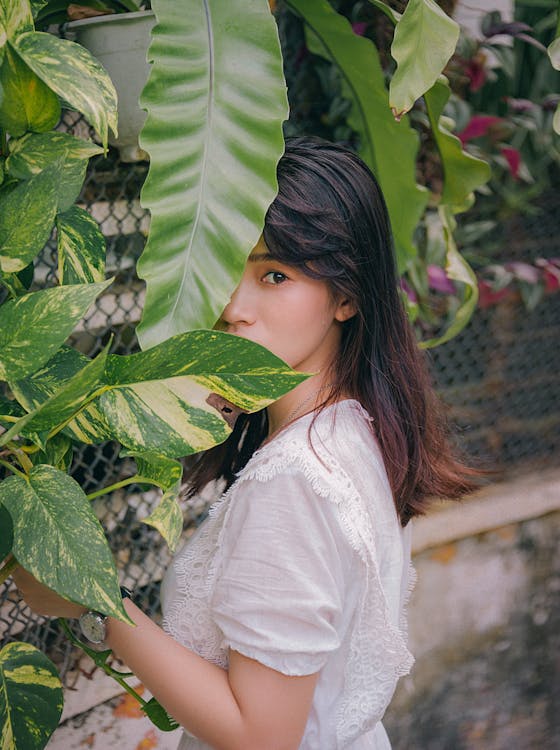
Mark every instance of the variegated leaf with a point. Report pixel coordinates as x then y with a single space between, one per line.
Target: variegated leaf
10 413
15 18
58 539
31 697
26 219
425 38
184 395
389 148
167 518
36 151
34 326
75 75
89 425
57 452
26 102
6 533
216 99
463 172
81 248
67 398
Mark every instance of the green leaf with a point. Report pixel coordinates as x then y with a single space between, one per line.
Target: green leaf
34 152
30 697
52 379
34 326
425 38
216 99
75 75
6 533
556 119
26 102
389 12
15 18
67 398
463 173
26 219
159 716
81 248
167 518
57 452
169 399
58 539
554 53
457 269
388 148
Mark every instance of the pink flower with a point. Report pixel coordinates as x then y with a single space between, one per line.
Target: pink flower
551 273
523 271
513 158
488 297
476 73
359 28
478 125
439 281
409 291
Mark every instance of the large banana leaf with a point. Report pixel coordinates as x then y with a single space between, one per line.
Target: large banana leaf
216 99
388 147
425 38
30 697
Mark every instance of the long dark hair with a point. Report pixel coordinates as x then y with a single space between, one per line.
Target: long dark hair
329 219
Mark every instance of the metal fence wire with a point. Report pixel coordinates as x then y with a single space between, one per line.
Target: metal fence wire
499 377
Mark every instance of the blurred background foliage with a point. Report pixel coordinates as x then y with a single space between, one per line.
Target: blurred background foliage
504 96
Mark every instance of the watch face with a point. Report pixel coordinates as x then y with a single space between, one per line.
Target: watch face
92 625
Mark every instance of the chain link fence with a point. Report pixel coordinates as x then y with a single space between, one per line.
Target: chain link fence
499 377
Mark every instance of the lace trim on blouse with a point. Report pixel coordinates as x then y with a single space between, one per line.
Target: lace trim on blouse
378 651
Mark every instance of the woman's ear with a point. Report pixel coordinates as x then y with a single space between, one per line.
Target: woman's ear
345 310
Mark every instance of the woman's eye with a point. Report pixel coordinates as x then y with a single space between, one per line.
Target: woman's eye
274 277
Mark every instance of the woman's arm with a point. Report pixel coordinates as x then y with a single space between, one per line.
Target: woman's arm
248 707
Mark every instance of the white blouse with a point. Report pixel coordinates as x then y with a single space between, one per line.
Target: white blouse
303 565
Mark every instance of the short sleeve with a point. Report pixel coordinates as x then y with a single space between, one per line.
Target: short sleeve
279 585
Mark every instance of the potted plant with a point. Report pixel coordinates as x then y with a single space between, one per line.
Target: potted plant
117 33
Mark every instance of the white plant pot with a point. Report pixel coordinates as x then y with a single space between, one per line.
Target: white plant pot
120 43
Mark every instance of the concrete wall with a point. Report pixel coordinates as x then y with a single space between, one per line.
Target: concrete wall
485 629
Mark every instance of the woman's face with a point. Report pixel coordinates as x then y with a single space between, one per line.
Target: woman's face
293 315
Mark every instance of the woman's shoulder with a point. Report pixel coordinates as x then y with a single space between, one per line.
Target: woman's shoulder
327 449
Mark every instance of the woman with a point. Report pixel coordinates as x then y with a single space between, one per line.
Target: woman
285 612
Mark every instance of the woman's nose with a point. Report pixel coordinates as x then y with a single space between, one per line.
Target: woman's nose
239 308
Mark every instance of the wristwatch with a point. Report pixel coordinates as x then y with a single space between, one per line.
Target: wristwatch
94 625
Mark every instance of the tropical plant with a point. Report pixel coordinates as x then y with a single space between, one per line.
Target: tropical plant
160 404
60 11
216 100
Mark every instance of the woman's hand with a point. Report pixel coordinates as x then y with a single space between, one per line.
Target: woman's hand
43 600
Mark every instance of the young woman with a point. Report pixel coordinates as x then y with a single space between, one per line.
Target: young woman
284 614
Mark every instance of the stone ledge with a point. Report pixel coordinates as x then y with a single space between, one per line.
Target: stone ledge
509 502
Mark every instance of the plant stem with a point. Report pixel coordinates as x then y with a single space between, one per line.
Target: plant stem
100 659
10 565
12 468
116 486
22 457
